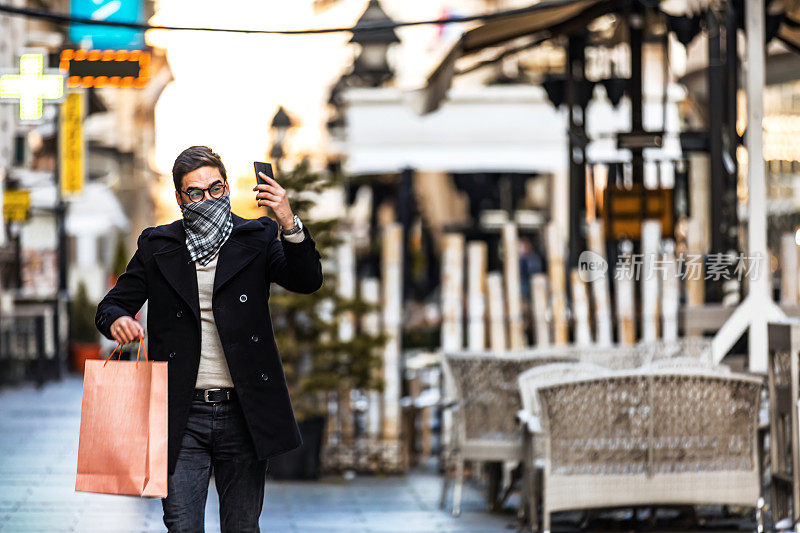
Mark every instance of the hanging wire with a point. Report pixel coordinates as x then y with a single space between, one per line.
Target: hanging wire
364 27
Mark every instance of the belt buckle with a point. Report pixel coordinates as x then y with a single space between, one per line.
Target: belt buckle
205 396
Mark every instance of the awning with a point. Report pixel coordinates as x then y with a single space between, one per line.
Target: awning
551 19
507 128
493 129
549 16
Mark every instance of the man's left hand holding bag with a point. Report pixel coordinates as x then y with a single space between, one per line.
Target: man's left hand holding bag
126 329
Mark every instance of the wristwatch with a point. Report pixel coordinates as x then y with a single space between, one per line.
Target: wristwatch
298 227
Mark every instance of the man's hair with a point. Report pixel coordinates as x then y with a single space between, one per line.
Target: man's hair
193 158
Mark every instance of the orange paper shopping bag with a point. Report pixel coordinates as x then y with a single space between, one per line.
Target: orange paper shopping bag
123 437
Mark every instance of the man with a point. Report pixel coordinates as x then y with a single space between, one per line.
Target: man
207 280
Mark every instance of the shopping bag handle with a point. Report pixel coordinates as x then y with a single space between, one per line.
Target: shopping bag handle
141 345
112 354
138 351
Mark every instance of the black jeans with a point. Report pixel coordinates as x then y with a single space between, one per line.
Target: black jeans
216 438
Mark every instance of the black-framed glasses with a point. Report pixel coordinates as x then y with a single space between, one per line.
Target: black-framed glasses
196 194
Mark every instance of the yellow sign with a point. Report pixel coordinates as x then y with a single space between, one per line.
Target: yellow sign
32 86
71 144
16 205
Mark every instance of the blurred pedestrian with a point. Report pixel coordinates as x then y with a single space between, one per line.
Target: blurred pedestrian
207 278
530 263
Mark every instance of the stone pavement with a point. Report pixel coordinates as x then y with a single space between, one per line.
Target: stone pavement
39 447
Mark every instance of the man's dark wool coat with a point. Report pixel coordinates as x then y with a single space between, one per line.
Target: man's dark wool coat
252 258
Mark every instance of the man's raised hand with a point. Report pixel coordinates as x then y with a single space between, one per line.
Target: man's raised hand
273 195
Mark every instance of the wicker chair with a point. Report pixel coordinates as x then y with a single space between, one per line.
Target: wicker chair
697 348
486 402
530 415
686 363
649 437
613 357
644 353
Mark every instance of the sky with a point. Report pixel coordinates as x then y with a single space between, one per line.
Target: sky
227 87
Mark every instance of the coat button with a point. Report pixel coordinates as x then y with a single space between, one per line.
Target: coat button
172 355
179 313
254 338
264 377
243 298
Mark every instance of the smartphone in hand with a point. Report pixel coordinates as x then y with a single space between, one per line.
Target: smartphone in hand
266 168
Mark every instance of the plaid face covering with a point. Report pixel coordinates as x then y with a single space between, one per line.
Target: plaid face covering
208 225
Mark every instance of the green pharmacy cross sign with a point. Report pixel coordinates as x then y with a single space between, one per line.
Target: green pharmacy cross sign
32 86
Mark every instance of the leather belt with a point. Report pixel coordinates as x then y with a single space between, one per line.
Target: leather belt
214 395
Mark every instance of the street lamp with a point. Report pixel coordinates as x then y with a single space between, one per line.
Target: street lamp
336 126
281 123
336 123
371 67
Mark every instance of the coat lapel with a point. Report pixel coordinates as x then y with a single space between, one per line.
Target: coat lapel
235 254
178 268
175 264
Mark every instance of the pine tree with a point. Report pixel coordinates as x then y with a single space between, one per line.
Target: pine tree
121 257
315 360
82 311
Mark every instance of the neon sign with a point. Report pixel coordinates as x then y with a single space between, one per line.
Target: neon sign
32 86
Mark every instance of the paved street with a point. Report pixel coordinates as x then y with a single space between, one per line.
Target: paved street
38 451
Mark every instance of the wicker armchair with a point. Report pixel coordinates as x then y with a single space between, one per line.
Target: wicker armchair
648 437
486 402
530 415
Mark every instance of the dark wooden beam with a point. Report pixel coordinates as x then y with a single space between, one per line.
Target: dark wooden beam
636 31
576 60
716 113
